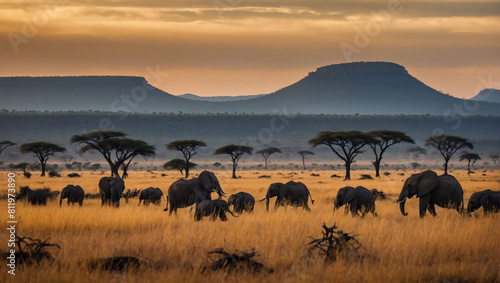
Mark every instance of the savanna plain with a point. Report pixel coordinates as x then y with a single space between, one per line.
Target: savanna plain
447 248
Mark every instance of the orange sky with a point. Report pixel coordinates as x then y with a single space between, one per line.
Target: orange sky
235 47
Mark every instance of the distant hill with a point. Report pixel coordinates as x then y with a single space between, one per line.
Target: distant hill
350 88
488 95
218 98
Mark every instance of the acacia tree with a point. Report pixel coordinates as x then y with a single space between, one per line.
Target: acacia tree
112 144
417 151
188 149
448 146
470 157
235 151
178 164
129 148
383 139
42 150
267 152
4 145
22 165
346 145
303 154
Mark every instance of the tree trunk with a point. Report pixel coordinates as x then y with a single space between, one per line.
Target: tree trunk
125 174
446 167
43 169
304 163
347 171
234 170
265 162
187 168
468 168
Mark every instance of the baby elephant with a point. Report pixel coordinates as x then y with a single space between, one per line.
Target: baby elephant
241 202
151 195
213 208
488 199
74 194
358 199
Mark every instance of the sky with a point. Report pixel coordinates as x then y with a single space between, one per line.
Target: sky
242 47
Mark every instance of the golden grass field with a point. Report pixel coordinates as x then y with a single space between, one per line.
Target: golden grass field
448 248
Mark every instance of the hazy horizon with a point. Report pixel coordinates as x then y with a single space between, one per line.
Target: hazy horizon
220 48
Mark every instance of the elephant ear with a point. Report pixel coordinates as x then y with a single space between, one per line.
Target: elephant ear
427 181
483 198
350 195
205 181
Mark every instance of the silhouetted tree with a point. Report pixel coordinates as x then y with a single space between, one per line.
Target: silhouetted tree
4 145
267 152
303 154
42 150
448 146
346 145
188 149
470 157
22 166
67 161
113 144
129 149
383 140
235 151
178 164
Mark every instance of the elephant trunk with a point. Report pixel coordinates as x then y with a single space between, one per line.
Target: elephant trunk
228 210
60 202
402 199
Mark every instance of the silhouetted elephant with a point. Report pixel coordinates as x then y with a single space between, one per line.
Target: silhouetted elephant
357 199
488 199
74 194
111 190
443 191
213 209
292 193
184 193
241 202
35 197
151 195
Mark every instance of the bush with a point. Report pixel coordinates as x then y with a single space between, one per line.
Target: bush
53 174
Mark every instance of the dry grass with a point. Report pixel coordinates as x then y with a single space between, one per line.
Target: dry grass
407 249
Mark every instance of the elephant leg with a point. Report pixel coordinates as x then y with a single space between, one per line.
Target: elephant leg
346 209
424 203
222 216
354 207
197 215
80 202
432 209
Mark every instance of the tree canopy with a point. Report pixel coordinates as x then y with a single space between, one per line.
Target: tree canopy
345 144
471 158
187 148
267 152
42 150
235 151
5 144
178 164
448 146
383 139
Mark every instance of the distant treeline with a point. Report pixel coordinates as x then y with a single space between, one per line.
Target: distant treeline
288 132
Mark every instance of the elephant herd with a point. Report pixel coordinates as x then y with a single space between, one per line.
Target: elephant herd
444 191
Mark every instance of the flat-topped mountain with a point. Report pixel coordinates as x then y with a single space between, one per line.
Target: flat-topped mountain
488 95
350 88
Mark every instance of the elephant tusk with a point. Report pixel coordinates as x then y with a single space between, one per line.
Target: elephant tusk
400 201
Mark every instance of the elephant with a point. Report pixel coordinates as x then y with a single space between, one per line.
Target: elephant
74 194
213 208
184 193
151 195
111 190
241 202
443 191
358 199
35 197
292 193
488 199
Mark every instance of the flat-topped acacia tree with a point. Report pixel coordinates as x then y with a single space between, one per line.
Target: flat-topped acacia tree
303 154
345 144
383 139
113 144
4 145
235 151
42 150
187 148
447 146
471 159
267 152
